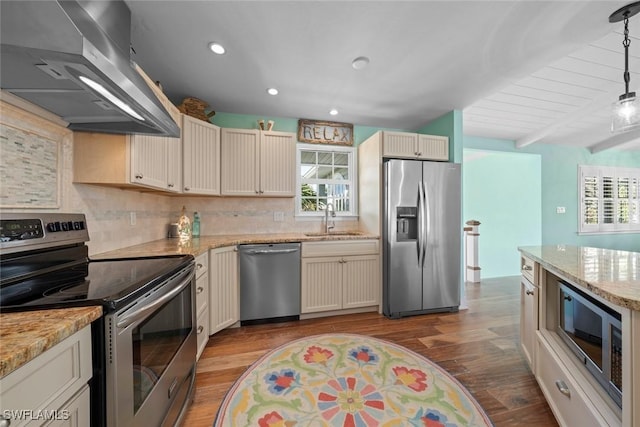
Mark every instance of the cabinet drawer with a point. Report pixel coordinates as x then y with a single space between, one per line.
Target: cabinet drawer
340 247
51 379
202 264
202 330
202 292
572 408
528 267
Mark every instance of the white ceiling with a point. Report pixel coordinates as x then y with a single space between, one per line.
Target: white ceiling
530 71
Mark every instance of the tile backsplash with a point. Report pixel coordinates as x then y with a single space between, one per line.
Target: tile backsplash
118 218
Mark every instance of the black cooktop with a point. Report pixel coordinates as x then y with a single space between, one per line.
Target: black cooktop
110 283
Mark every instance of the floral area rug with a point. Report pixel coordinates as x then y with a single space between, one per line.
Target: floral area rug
347 380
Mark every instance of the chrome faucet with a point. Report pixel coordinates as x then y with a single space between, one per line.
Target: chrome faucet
327 227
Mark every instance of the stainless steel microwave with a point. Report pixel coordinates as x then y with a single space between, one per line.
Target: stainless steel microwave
592 330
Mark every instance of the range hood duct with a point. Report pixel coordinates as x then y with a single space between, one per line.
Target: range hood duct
72 58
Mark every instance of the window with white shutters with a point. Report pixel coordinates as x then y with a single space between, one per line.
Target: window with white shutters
609 199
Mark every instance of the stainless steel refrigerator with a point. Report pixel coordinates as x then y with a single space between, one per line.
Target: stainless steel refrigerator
422 233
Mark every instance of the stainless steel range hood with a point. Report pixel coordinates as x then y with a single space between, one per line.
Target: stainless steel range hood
72 58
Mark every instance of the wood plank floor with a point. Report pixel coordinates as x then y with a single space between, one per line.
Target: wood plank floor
479 346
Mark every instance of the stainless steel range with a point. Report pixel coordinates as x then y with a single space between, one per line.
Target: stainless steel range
144 347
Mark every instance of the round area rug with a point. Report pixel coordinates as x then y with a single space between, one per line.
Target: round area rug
347 380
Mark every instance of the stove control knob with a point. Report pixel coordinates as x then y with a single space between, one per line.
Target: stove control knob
76 225
81 225
65 226
54 226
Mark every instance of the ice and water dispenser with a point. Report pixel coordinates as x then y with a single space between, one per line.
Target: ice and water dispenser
406 223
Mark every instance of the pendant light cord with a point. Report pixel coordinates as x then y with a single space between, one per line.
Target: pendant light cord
626 42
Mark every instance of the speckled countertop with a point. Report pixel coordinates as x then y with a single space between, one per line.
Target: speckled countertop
202 244
25 335
614 275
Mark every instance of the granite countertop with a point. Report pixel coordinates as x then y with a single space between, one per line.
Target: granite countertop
611 274
202 244
27 334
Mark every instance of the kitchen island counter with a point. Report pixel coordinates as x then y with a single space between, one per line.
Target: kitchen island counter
202 244
25 335
611 274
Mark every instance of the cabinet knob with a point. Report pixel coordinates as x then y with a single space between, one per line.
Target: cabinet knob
138 176
200 289
187 188
563 388
568 298
170 185
528 292
419 153
200 329
261 191
257 192
526 268
199 266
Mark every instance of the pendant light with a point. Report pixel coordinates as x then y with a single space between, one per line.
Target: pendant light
626 111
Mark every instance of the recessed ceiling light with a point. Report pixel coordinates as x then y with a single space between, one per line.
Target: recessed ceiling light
360 62
333 112
217 48
272 91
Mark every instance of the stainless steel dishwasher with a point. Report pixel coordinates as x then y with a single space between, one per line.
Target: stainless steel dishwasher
269 282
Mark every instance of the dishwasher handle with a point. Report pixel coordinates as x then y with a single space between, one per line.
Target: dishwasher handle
269 251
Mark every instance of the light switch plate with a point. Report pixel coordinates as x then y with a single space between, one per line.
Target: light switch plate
561 209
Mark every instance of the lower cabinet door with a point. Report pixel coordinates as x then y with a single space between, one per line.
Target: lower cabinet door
528 320
224 291
321 284
361 281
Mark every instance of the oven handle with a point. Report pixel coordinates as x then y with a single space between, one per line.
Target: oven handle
144 311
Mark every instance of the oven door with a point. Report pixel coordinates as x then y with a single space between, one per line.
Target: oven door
151 353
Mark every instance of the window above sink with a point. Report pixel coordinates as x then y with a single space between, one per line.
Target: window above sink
326 175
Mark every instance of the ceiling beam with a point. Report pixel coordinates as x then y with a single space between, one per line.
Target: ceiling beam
615 140
591 107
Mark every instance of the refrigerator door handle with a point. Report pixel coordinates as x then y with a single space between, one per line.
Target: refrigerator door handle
425 225
420 239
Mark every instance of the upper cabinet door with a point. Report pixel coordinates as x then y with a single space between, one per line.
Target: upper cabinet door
149 161
201 157
174 164
433 147
239 162
277 164
399 144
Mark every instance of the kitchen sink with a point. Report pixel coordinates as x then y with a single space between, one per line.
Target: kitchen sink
334 233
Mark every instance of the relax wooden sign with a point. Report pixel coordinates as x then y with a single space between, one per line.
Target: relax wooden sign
320 132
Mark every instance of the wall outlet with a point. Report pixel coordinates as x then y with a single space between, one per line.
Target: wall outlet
278 216
132 218
561 209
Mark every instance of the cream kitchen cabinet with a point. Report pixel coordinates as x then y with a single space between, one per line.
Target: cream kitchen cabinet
340 275
224 289
54 383
127 160
415 146
529 304
202 302
200 157
257 163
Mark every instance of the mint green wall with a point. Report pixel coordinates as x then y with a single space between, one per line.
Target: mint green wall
449 125
247 121
493 183
559 185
